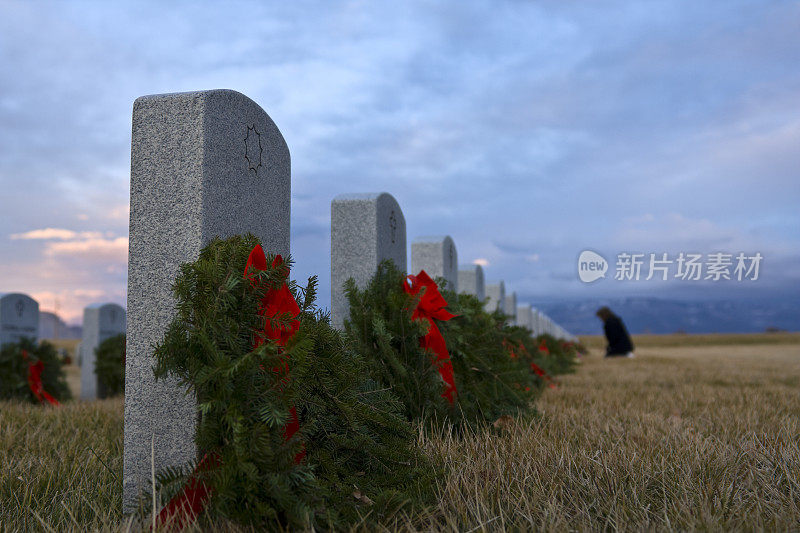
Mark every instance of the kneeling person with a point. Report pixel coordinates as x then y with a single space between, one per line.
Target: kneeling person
619 342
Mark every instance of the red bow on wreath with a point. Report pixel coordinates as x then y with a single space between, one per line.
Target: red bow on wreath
542 374
35 381
275 303
191 501
543 348
431 307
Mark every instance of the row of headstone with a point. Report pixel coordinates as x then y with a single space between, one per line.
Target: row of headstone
213 164
19 318
367 229
540 324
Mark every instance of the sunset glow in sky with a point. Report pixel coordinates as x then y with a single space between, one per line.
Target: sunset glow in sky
528 131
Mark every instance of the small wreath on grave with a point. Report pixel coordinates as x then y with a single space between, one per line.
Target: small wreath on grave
32 372
385 327
110 366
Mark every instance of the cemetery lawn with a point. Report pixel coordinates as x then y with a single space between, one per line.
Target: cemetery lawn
685 436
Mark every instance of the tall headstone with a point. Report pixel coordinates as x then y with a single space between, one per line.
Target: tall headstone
525 316
100 322
438 257
366 229
510 306
470 281
19 317
496 297
203 164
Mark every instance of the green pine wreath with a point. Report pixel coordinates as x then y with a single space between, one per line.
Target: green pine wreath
110 366
15 361
361 459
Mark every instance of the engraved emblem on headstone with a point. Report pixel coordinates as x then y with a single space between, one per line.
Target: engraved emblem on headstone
20 307
393 225
253 149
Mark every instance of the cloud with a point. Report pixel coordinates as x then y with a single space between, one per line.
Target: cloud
521 129
95 249
55 233
70 303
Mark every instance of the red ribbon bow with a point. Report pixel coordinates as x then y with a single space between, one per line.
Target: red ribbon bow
431 307
35 381
510 349
543 347
190 502
277 302
542 374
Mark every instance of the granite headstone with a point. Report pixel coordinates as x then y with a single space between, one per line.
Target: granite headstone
470 281
203 164
100 322
496 297
438 257
19 317
510 306
525 316
536 321
366 229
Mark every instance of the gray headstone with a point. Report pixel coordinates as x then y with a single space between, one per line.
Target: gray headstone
470 281
19 317
496 296
510 306
536 321
366 229
525 316
100 322
547 325
438 257
203 165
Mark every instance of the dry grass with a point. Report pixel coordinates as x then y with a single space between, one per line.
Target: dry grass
61 467
680 438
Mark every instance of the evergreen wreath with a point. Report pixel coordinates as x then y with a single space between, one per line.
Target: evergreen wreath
491 380
361 459
381 330
109 366
16 360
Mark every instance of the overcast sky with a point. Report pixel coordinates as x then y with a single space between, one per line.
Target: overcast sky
528 131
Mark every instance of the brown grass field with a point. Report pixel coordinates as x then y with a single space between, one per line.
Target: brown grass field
692 434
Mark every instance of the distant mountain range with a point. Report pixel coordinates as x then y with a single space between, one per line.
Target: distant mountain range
655 315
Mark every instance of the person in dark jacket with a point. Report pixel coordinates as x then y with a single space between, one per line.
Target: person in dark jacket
619 342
